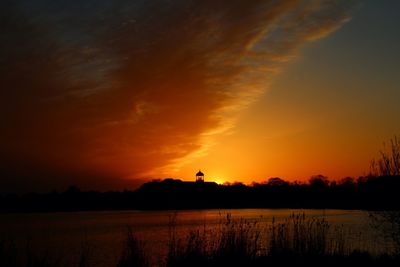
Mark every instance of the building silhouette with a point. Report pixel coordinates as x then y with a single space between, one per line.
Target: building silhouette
199 177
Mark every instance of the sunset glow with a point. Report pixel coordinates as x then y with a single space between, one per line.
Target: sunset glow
117 93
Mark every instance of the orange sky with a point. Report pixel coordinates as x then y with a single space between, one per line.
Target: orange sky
108 95
327 111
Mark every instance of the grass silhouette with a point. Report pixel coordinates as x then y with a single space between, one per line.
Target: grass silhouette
297 240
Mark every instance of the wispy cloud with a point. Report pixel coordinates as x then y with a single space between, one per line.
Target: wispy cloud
124 88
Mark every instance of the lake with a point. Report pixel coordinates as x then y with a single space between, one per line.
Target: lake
101 234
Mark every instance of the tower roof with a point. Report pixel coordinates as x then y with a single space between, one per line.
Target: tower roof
199 173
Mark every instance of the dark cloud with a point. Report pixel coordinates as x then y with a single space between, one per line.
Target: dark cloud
118 89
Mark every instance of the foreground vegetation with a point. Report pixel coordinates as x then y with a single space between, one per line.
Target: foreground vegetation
297 240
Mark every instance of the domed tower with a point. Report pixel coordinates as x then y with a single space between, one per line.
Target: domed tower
199 177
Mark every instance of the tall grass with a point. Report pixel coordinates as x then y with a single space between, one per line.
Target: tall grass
133 253
300 235
388 223
191 249
240 242
231 243
297 240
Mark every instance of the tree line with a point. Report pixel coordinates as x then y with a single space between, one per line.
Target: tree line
377 191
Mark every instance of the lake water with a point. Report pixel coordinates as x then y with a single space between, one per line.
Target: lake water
102 234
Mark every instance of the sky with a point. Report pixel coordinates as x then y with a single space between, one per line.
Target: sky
107 94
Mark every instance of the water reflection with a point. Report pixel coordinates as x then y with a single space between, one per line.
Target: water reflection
66 234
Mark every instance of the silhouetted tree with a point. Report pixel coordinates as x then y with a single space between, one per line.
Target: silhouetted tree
73 190
388 164
276 181
347 181
319 181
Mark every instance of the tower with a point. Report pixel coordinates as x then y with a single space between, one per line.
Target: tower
199 177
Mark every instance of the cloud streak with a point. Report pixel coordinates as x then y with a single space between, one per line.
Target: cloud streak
121 89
